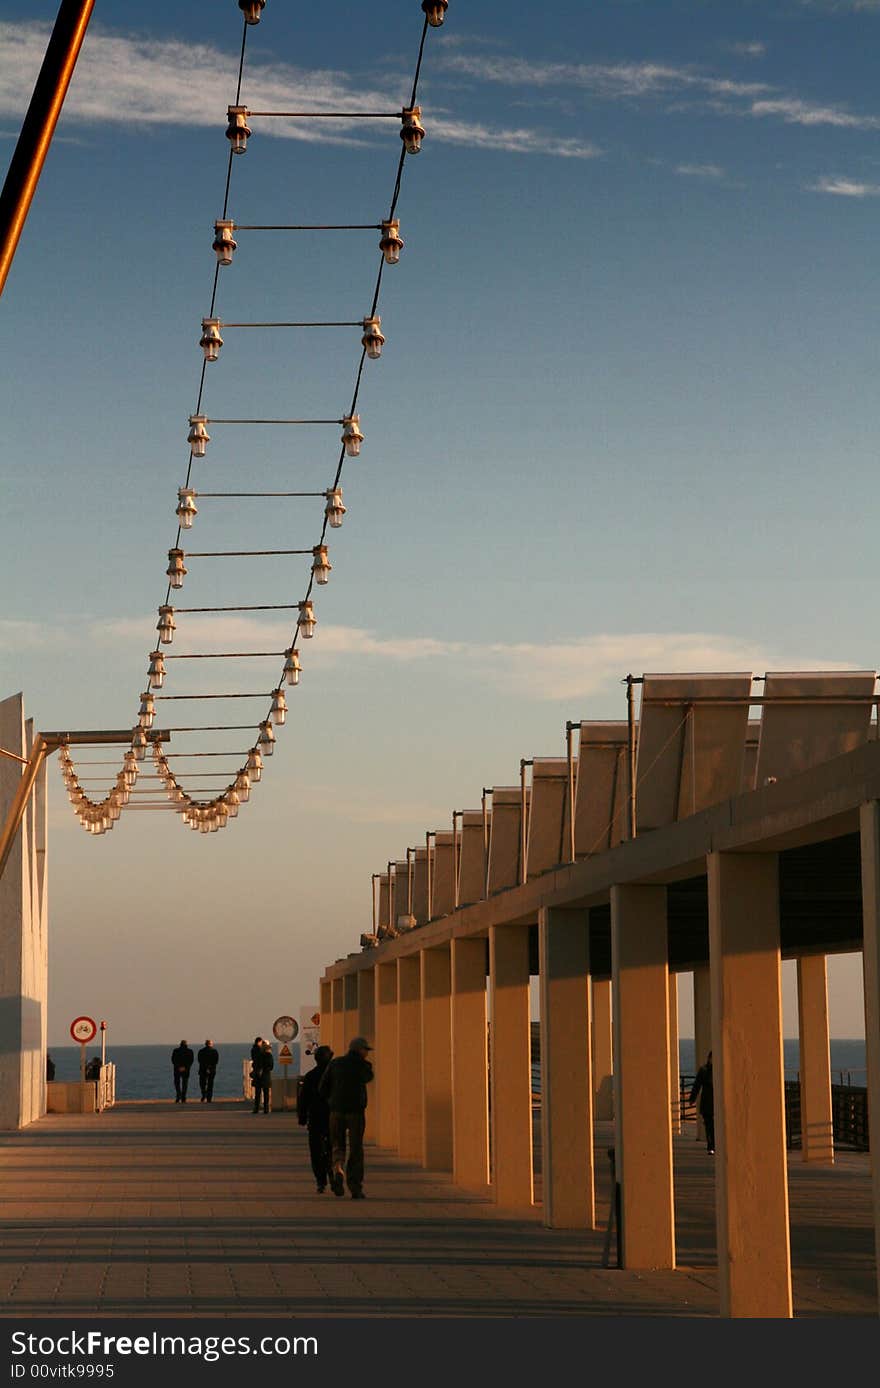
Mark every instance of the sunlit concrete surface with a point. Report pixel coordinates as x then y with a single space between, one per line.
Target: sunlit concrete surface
152 1209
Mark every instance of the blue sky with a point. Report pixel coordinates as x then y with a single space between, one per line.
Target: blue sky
624 419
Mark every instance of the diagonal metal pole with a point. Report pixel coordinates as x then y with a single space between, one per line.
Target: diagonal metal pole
39 125
38 753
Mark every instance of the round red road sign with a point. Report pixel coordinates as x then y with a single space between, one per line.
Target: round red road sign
83 1030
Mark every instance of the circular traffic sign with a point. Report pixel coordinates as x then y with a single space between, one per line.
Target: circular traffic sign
285 1029
83 1030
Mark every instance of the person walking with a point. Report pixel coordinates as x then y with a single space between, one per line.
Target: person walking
344 1086
209 1059
702 1091
181 1062
262 1072
313 1113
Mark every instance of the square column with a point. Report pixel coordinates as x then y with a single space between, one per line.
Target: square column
337 1023
385 1057
366 1005
817 1124
674 1082
366 1026
751 1178
603 1066
350 1012
643 1136
326 1027
702 1029
566 1070
410 1094
23 933
869 816
510 1065
470 1066
436 987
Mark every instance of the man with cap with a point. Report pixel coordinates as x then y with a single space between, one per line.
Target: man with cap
344 1086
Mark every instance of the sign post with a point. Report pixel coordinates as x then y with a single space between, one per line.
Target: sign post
285 1030
83 1030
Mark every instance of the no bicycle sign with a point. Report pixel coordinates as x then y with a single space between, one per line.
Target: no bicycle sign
83 1030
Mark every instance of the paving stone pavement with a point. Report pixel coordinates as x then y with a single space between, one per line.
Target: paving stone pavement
156 1209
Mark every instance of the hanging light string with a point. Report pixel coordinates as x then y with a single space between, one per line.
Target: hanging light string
208 815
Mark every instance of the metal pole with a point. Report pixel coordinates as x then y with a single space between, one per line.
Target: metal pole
486 792
39 125
430 871
38 753
569 752
523 821
631 752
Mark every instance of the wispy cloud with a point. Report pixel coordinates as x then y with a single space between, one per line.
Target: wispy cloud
681 85
699 170
844 188
609 80
753 49
796 112
127 80
581 666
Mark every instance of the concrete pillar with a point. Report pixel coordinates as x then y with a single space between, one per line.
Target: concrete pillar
410 1100
643 1137
23 935
751 1179
366 1005
337 1040
326 1027
350 1011
702 1028
817 1125
870 836
603 1067
385 1056
569 1196
470 1061
366 1026
510 1062
436 988
674 1085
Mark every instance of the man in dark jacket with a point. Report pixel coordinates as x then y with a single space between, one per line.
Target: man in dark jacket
263 1064
344 1086
209 1059
313 1113
181 1062
703 1090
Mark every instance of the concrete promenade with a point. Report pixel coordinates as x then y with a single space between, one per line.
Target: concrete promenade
151 1209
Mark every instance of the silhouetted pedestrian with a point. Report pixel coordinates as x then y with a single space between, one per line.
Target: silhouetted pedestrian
263 1064
344 1086
50 1067
702 1091
209 1059
312 1111
181 1062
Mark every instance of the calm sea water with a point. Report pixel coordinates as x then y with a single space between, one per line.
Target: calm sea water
144 1072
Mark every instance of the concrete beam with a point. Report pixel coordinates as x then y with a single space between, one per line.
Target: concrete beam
470 1080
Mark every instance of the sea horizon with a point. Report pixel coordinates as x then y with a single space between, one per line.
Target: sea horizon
144 1071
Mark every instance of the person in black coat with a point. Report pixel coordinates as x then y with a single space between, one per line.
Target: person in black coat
344 1086
313 1113
181 1062
209 1059
263 1064
703 1091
